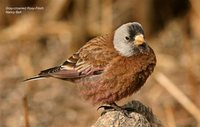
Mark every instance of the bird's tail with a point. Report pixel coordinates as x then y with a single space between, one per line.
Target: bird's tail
44 74
37 77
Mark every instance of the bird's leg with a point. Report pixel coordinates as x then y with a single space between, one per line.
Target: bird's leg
114 107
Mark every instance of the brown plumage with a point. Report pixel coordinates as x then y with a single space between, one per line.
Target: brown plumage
110 67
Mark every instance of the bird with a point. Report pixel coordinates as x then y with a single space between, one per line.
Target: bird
110 67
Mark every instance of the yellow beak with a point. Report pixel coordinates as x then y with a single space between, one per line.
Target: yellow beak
139 40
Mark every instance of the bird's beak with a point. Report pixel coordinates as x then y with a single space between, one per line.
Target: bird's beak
139 40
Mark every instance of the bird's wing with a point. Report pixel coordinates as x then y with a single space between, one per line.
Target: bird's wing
91 59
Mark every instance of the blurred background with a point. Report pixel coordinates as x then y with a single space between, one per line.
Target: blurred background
42 34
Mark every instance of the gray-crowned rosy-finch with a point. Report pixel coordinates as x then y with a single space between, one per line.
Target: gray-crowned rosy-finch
110 67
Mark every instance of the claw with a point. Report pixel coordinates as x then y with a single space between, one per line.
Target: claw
115 107
105 107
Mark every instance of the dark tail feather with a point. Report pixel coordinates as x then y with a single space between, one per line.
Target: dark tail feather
44 74
37 77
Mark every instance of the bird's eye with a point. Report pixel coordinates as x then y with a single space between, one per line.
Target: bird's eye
127 38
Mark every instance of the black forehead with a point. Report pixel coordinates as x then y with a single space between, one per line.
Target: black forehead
134 29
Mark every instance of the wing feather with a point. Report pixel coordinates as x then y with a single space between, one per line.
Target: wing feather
92 58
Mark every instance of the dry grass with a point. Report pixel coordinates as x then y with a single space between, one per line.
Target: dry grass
36 40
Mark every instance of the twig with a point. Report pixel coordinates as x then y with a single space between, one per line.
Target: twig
106 16
55 9
26 112
178 95
169 116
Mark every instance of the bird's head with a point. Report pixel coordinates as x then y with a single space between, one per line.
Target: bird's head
129 39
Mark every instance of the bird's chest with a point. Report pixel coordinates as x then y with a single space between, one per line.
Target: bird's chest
139 78
133 76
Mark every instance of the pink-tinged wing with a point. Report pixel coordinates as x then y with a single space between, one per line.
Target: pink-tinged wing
91 59
73 68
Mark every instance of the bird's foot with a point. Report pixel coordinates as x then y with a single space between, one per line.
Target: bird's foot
114 107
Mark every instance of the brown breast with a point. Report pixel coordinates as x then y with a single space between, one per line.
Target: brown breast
122 77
